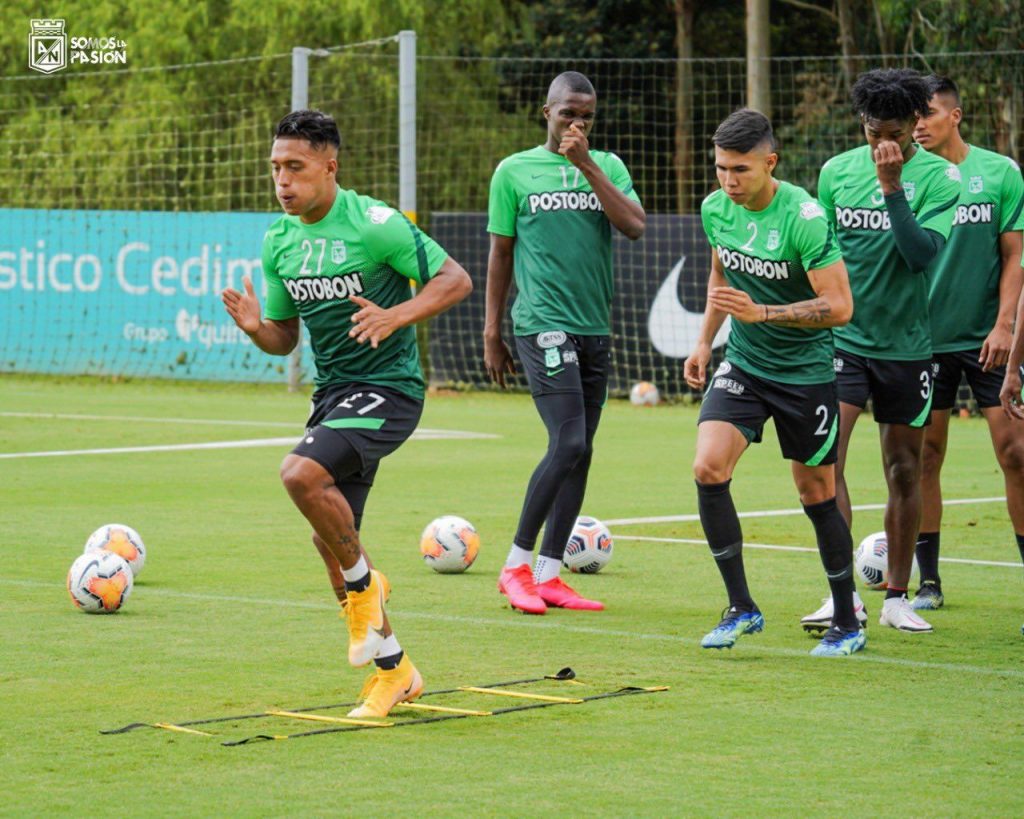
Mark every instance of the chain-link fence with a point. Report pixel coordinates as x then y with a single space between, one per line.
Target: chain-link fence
131 197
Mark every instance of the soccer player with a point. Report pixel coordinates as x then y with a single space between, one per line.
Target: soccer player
777 271
551 212
892 206
973 289
342 263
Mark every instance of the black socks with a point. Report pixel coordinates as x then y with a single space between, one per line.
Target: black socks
725 538
927 553
835 547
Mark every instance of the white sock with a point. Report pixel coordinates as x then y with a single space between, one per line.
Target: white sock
546 568
389 648
357 572
518 557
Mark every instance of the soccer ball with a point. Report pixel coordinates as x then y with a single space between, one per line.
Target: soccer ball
871 561
99 582
644 394
121 540
449 544
589 548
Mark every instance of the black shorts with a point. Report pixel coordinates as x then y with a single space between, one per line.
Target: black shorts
806 415
557 362
352 426
900 391
948 370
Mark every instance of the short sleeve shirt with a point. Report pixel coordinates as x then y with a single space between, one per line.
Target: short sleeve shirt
362 247
563 249
768 254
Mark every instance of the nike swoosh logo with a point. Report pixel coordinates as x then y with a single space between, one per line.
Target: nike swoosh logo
537 175
552 373
717 555
837 575
672 328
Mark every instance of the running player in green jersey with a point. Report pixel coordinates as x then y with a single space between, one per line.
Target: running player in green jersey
342 263
551 212
777 271
974 286
892 205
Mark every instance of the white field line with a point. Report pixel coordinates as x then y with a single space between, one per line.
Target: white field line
418 435
63 416
514 621
776 548
776 513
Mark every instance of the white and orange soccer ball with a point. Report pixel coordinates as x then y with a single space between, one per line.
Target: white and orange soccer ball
449 544
121 540
644 394
871 561
589 548
100 581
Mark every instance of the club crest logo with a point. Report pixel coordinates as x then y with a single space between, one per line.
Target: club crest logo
773 241
47 46
976 184
338 251
910 189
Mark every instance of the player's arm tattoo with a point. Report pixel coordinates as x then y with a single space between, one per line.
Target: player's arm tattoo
810 313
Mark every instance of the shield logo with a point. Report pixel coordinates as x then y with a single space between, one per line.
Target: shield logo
910 188
976 184
338 251
47 46
773 240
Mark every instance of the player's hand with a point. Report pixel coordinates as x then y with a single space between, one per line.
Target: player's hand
737 303
574 145
1009 395
244 308
498 360
888 165
996 349
371 322
696 366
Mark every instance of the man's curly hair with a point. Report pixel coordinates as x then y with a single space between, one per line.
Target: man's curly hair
890 93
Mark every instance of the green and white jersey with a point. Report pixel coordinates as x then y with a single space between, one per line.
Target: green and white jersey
890 301
563 250
364 248
767 253
963 295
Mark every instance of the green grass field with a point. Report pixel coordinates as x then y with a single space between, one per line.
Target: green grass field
233 614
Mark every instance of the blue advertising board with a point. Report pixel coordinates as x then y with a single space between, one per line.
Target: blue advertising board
129 293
